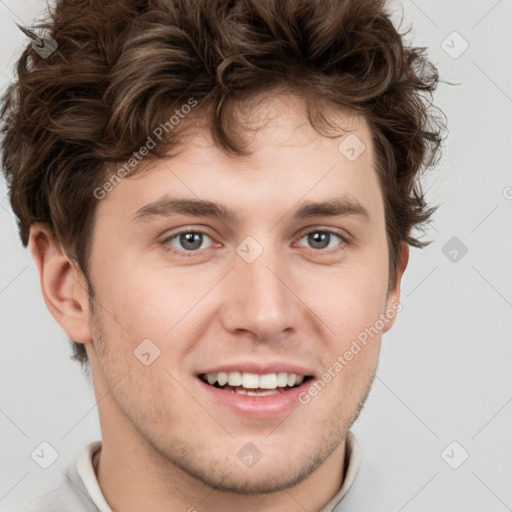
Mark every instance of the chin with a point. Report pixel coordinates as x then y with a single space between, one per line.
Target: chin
252 481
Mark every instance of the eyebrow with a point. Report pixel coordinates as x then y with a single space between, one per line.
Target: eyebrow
166 207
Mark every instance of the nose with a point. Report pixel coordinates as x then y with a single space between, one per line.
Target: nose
258 297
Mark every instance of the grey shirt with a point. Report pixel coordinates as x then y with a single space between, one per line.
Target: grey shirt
80 491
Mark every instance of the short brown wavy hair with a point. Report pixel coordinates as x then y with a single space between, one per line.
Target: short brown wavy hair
121 66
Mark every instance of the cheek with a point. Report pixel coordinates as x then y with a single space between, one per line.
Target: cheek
148 301
349 301
352 307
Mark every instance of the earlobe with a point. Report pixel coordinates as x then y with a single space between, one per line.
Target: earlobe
63 285
393 299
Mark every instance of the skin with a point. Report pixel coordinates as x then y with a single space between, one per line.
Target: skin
166 446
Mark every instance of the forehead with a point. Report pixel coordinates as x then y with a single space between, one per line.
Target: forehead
289 160
283 119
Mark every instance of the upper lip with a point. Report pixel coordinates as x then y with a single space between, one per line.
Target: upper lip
259 367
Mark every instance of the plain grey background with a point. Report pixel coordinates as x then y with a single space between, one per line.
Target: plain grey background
445 370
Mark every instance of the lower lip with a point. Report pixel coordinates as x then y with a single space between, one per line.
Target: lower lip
270 406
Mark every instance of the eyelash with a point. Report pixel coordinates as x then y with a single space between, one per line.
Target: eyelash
344 242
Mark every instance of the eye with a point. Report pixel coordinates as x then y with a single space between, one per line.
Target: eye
187 241
193 242
321 240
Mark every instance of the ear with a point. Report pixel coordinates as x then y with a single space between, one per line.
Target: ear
63 284
393 298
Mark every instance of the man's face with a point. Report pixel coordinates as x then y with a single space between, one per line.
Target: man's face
267 292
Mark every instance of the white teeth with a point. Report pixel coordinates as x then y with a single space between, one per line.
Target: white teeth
263 393
222 378
269 381
234 378
250 380
241 391
282 379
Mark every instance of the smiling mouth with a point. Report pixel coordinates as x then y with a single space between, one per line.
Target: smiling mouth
252 384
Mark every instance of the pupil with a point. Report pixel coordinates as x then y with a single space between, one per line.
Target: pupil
188 238
318 238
